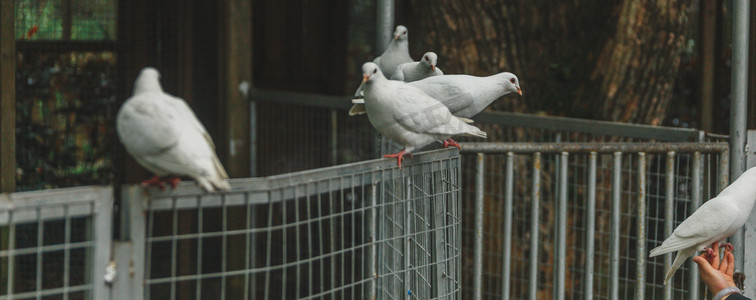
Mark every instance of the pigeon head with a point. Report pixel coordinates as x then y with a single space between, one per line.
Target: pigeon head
148 81
400 33
370 72
430 59
511 83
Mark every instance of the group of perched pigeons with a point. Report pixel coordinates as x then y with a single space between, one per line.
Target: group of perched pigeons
419 104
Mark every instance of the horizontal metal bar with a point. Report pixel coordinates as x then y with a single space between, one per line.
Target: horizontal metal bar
316 100
49 248
257 187
669 134
49 292
502 148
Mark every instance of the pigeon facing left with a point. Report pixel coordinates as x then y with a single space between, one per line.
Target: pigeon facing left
408 115
714 221
162 133
414 71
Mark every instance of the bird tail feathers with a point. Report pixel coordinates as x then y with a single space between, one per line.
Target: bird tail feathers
681 257
477 133
357 109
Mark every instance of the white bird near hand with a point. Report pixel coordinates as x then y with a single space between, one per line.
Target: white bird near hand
714 221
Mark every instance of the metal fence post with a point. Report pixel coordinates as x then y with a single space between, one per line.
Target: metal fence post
738 107
561 258
478 246
590 227
614 256
103 222
129 253
640 285
506 254
669 215
534 221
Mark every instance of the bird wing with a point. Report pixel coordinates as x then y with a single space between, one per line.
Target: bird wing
147 126
188 115
420 113
448 90
708 222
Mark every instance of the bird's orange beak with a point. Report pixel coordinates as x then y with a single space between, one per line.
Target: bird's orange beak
397 37
433 68
519 91
365 78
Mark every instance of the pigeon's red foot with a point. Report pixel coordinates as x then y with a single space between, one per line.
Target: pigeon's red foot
160 182
709 253
399 156
728 246
449 142
156 181
173 181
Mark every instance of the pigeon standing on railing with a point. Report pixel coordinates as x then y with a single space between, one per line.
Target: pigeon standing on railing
414 71
164 135
408 115
464 95
714 221
396 53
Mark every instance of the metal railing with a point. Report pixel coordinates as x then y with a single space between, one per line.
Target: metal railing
55 243
365 230
584 218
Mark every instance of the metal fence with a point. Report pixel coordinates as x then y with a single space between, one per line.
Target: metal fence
366 230
576 220
55 244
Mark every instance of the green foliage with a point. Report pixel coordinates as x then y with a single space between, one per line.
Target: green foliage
44 20
65 105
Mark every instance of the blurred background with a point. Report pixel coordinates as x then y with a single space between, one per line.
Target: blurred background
652 62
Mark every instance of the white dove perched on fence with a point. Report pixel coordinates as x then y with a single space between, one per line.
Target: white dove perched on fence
464 95
714 221
164 135
408 115
414 71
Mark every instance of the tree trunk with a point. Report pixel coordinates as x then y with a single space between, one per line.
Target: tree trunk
610 60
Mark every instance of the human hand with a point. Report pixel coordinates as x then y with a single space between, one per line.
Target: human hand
716 274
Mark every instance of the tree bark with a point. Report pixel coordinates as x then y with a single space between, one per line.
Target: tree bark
609 60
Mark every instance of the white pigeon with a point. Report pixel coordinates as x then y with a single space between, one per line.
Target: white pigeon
464 95
408 115
395 54
414 71
714 221
164 135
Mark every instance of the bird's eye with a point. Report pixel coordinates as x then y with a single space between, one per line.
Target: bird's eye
375 71
426 58
404 32
512 80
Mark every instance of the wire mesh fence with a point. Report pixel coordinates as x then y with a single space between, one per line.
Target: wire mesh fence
561 222
363 230
54 244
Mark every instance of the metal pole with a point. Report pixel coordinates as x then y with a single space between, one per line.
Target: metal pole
506 254
738 107
534 210
669 215
640 285
478 246
562 231
590 228
385 24
695 202
614 256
